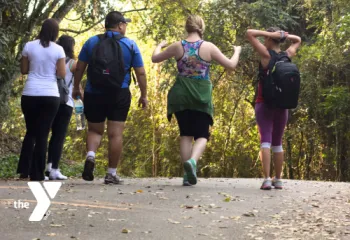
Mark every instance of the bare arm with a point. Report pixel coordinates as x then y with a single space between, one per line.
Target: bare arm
220 58
159 56
61 68
73 67
252 36
141 79
24 65
78 75
296 41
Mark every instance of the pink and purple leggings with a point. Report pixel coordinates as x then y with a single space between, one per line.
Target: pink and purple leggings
271 123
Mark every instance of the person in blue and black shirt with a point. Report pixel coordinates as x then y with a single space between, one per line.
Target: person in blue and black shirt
102 104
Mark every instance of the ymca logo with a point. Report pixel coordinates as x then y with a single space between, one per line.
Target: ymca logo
43 199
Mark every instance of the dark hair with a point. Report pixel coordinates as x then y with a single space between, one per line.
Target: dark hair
113 19
49 32
274 29
67 42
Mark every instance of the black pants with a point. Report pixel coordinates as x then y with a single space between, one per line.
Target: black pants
59 130
39 113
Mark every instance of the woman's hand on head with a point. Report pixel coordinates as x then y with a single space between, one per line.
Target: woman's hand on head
237 49
278 35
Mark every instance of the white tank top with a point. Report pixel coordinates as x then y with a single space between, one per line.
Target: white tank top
69 77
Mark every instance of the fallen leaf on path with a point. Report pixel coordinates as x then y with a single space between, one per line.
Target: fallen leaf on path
228 199
163 198
51 234
235 217
216 221
139 191
249 214
125 230
189 206
173 222
111 219
203 234
188 226
56 225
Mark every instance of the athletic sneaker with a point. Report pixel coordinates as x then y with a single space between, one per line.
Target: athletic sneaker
191 169
185 180
110 179
88 174
266 184
46 179
277 183
55 174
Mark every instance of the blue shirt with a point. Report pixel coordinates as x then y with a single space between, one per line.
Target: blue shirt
127 45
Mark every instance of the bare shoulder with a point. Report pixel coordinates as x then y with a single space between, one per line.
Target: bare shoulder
209 46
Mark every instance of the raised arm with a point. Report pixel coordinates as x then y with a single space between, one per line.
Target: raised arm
220 58
252 36
159 56
296 41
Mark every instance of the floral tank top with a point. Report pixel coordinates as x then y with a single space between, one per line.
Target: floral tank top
191 65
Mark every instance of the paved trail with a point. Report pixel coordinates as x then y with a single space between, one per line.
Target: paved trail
162 209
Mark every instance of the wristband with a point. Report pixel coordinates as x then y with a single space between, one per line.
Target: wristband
283 36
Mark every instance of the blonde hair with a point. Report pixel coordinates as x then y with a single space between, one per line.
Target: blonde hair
195 23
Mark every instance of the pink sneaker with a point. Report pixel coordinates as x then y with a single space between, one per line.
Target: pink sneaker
266 184
277 183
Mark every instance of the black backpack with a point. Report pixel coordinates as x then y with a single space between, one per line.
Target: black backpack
106 68
281 82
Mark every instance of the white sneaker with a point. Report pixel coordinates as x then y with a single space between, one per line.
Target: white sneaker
55 174
46 178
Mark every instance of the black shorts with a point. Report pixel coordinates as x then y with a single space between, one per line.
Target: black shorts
98 107
194 123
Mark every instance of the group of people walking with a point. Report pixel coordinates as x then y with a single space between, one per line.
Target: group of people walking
109 59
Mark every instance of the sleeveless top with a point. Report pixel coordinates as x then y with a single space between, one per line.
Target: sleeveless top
69 77
191 65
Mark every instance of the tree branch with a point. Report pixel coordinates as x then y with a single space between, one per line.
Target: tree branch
98 22
64 9
46 14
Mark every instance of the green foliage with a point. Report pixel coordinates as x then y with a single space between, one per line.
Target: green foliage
8 166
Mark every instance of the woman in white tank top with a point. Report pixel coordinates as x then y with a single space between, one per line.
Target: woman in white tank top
61 122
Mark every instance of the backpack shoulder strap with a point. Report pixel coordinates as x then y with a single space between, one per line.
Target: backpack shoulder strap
101 36
283 56
132 53
273 60
118 36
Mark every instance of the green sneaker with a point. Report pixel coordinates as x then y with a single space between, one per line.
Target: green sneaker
191 171
185 180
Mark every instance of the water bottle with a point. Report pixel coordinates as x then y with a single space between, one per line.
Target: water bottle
79 113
